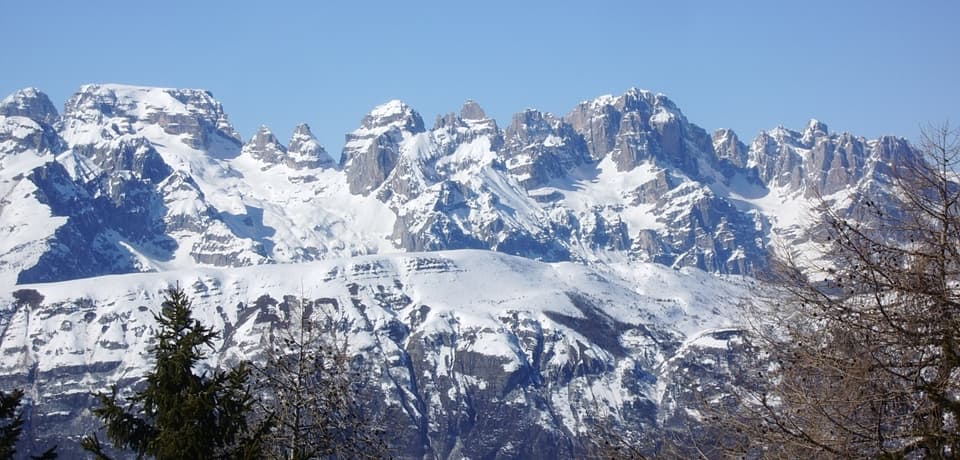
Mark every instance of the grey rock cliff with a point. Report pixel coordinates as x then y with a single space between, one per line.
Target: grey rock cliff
372 151
305 152
119 109
30 103
539 147
265 147
159 168
639 126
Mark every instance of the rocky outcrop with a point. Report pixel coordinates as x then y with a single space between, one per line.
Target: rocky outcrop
30 103
819 163
305 152
265 147
539 147
372 151
640 126
115 110
130 154
451 131
20 134
82 246
472 353
27 119
729 149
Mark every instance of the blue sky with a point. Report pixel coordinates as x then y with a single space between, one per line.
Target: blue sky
867 67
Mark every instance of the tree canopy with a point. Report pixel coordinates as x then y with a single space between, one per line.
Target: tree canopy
863 343
179 413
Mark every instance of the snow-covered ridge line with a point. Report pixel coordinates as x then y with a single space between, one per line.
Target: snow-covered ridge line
153 179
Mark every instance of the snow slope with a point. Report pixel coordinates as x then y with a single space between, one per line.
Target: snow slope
443 327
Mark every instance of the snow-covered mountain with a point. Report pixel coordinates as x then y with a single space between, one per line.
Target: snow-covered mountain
608 248
483 353
133 179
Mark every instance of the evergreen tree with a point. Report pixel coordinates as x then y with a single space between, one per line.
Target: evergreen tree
13 422
180 414
13 426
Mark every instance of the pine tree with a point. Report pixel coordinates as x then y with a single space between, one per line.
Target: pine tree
180 414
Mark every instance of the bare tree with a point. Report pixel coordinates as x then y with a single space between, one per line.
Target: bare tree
606 442
315 389
863 343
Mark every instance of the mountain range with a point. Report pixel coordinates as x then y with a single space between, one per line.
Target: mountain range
515 283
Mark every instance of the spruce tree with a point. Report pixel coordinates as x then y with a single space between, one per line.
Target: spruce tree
179 414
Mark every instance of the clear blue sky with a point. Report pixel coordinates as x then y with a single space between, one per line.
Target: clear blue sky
868 67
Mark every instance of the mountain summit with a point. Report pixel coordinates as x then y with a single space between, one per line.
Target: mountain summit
510 285
169 183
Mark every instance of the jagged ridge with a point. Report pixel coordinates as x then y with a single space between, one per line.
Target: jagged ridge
157 178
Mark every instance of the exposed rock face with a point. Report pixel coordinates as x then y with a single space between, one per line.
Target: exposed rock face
305 152
639 126
30 103
540 147
265 147
302 153
472 111
815 160
473 353
372 151
21 134
26 123
83 246
729 148
618 176
129 154
118 110
450 131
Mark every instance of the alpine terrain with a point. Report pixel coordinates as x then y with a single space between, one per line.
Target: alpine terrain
513 284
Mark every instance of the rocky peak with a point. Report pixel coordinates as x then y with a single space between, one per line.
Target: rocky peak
451 130
599 122
784 135
728 147
539 147
815 129
264 138
472 111
531 125
637 126
121 109
304 151
30 103
813 160
641 101
265 147
393 114
372 151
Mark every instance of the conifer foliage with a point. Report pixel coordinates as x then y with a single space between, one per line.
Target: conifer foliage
11 426
178 413
13 423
